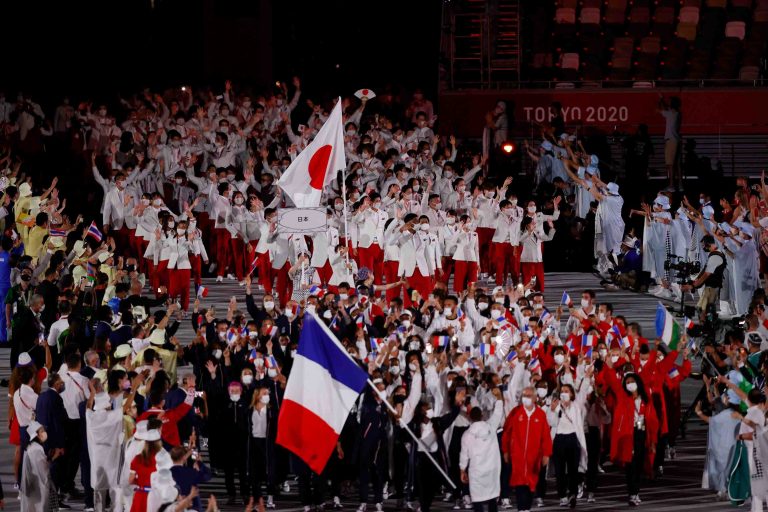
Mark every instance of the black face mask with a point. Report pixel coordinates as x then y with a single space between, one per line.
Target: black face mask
26 277
399 399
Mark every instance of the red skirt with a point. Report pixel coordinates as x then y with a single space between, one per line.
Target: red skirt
15 437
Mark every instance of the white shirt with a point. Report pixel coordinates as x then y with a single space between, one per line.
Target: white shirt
75 391
259 423
57 327
428 438
24 403
565 426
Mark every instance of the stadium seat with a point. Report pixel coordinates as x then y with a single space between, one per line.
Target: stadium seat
568 4
565 15
590 21
639 21
689 15
687 31
569 67
749 73
742 4
664 22
737 29
722 4
642 85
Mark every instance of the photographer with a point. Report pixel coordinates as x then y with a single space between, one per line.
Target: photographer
711 278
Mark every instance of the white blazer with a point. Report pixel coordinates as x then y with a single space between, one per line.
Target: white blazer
323 245
371 227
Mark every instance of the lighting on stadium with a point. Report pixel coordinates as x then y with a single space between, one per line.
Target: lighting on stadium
509 147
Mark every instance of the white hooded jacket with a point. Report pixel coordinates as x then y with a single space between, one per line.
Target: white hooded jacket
480 452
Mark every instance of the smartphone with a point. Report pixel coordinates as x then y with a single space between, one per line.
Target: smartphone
429 349
41 339
198 394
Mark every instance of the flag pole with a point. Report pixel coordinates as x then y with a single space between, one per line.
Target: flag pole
413 436
344 211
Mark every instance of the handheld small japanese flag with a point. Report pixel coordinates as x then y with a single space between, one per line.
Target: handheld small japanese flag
316 166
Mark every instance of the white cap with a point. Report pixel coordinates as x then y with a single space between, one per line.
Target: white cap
79 248
24 359
662 201
613 188
152 435
141 430
25 190
594 160
157 337
104 256
32 429
546 145
630 241
122 351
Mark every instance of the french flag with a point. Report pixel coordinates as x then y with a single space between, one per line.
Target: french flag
253 356
566 300
376 344
273 331
569 345
202 292
487 349
587 340
688 323
232 335
270 362
325 383
534 342
588 353
93 232
545 317
512 357
534 366
626 343
254 263
441 341
673 373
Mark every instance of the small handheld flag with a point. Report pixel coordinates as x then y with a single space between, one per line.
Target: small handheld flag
202 292
93 232
566 300
253 356
626 343
534 365
57 232
270 362
535 342
674 373
688 323
587 340
545 317
441 341
376 344
232 335
511 357
588 353
487 349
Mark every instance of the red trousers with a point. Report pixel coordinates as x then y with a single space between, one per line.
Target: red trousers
179 285
373 259
284 287
238 257
466 272
197 268
533 269
447 263
325 272
161 274
122 241
421 283
506 259
390 274
223 252
484 237
264 267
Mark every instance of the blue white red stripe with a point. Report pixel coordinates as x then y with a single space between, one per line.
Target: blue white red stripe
93 232
566 300
325 383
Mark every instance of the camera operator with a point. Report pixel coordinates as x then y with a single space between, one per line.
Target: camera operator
711 278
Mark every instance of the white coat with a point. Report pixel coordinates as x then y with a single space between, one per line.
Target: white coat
480 453
35 479
105 441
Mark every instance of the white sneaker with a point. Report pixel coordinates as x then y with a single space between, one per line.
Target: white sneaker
580 494
307 508
219 279
457 505
664 293
591 497
241 283
362 507
447 497
336 503
270 502
564 502
467 503
286 487
379 507
506 504
231 277
539 502
385 491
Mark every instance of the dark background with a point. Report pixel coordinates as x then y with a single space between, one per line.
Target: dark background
96 48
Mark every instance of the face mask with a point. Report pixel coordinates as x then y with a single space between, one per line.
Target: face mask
584 303
513 201
217 353
565 397
351 132
259 363
413 367
603 353
222 335
631 387
531 209
430 413
541 392
235 397
482 306
238 200
269 305
425 227
343 296
406 323
178 181
527 401
181 231
414 345
614 359
264 399
272 373
448 311
338 207
230 177
327 314
450 221
489 195
289 313
171 225
559 358
247 379
26 277
157 202
394 370
145 202
701 200
416 188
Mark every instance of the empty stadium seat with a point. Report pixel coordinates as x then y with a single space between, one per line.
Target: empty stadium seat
722 4
689 15
737 29
687 31
749 73
565 15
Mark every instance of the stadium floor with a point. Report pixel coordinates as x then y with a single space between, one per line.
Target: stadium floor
678 490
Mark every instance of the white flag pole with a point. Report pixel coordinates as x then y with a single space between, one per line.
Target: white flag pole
413 436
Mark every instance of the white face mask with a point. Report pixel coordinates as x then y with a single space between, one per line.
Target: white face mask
565 397
264 399
430 413
482 306
343 296
527 401
614 359
289 313
272 373
425 227
489 195
179 181
269 305
448 311
327 314
541 392
234 397
559 358
145 202
171 225
217 353
259 363
157 202
394 370
247 379
406 323
413 367
513 202
450 221
601 317
531 209
180 231
584 303
631 387
603 353
238 200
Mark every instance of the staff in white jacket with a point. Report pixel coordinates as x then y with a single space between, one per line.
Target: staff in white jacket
480 461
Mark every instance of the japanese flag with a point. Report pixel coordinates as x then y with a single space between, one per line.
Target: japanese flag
317 165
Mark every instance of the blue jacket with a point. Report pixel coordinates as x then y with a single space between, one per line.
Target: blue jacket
51 414
187 476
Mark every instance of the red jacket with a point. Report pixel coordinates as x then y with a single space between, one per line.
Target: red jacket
170 429
623 424
526 440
